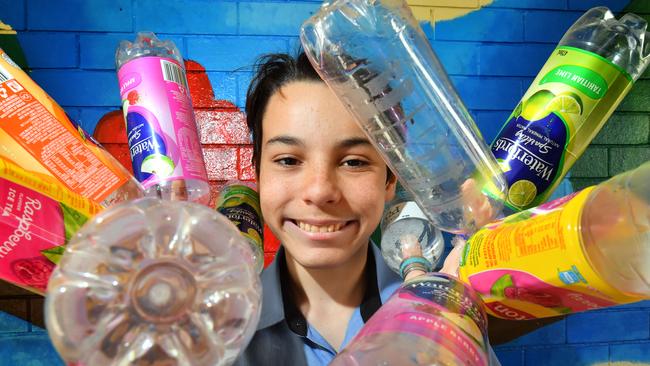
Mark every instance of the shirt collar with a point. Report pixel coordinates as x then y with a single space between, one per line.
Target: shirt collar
278 304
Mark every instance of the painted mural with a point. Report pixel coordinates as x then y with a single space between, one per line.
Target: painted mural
492 50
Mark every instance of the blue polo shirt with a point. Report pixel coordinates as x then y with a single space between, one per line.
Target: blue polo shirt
283 336
381 282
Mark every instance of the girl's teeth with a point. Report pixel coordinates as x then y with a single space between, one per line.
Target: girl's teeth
319 229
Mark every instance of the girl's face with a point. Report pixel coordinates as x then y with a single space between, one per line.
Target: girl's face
322 184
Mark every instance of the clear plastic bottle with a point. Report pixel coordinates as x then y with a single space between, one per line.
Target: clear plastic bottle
586 77
377 60
240 203
433 319
586 251
154 282
406 232
616 231
161 129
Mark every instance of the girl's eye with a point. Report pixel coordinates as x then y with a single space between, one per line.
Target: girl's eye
355 163
286 161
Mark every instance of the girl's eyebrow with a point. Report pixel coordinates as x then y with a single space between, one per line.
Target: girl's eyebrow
354 141
293 141
285 140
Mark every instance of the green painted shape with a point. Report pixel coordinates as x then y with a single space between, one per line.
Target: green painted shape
625 129
639 7
9 43
592 163
623 159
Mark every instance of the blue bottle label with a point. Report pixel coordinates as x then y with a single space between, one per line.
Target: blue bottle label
147 147
531 154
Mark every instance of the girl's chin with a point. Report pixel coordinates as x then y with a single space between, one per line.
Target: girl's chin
325 258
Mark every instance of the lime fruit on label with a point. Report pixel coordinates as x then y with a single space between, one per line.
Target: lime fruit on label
158 164
568 103
534 108
522 192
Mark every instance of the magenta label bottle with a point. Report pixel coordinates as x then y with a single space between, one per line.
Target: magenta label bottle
161 129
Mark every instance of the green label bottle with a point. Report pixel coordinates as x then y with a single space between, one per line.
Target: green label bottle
567 104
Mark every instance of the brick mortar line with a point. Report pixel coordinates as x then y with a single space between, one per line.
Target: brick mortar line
23 334
580 344
20 297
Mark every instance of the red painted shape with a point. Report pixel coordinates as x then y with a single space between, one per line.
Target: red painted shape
224 138
201 89
220 162
111 133
246 167
271 243
222 127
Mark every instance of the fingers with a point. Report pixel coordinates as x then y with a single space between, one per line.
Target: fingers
477 205
452 262
410 246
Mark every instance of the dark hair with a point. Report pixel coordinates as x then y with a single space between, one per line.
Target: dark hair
272 72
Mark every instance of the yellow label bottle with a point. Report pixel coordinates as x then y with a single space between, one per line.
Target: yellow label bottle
585 251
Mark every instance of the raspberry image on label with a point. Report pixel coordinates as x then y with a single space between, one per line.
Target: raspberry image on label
133 97
33 272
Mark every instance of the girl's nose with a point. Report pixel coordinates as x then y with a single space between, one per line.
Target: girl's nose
321 186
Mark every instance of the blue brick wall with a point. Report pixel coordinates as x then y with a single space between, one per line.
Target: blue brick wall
492 56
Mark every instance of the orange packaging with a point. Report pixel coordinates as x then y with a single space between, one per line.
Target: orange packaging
48 187
36 134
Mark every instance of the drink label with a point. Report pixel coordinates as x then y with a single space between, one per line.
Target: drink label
33 230
532 264
241 205
47 186
403 210
438 308
566 105
161 129
36 133
403 221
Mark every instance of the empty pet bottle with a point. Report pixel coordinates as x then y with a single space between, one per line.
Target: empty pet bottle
592 69
585 251
154 282
406 233
161 129
433 319
376 59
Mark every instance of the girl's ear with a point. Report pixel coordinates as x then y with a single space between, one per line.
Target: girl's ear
391 184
